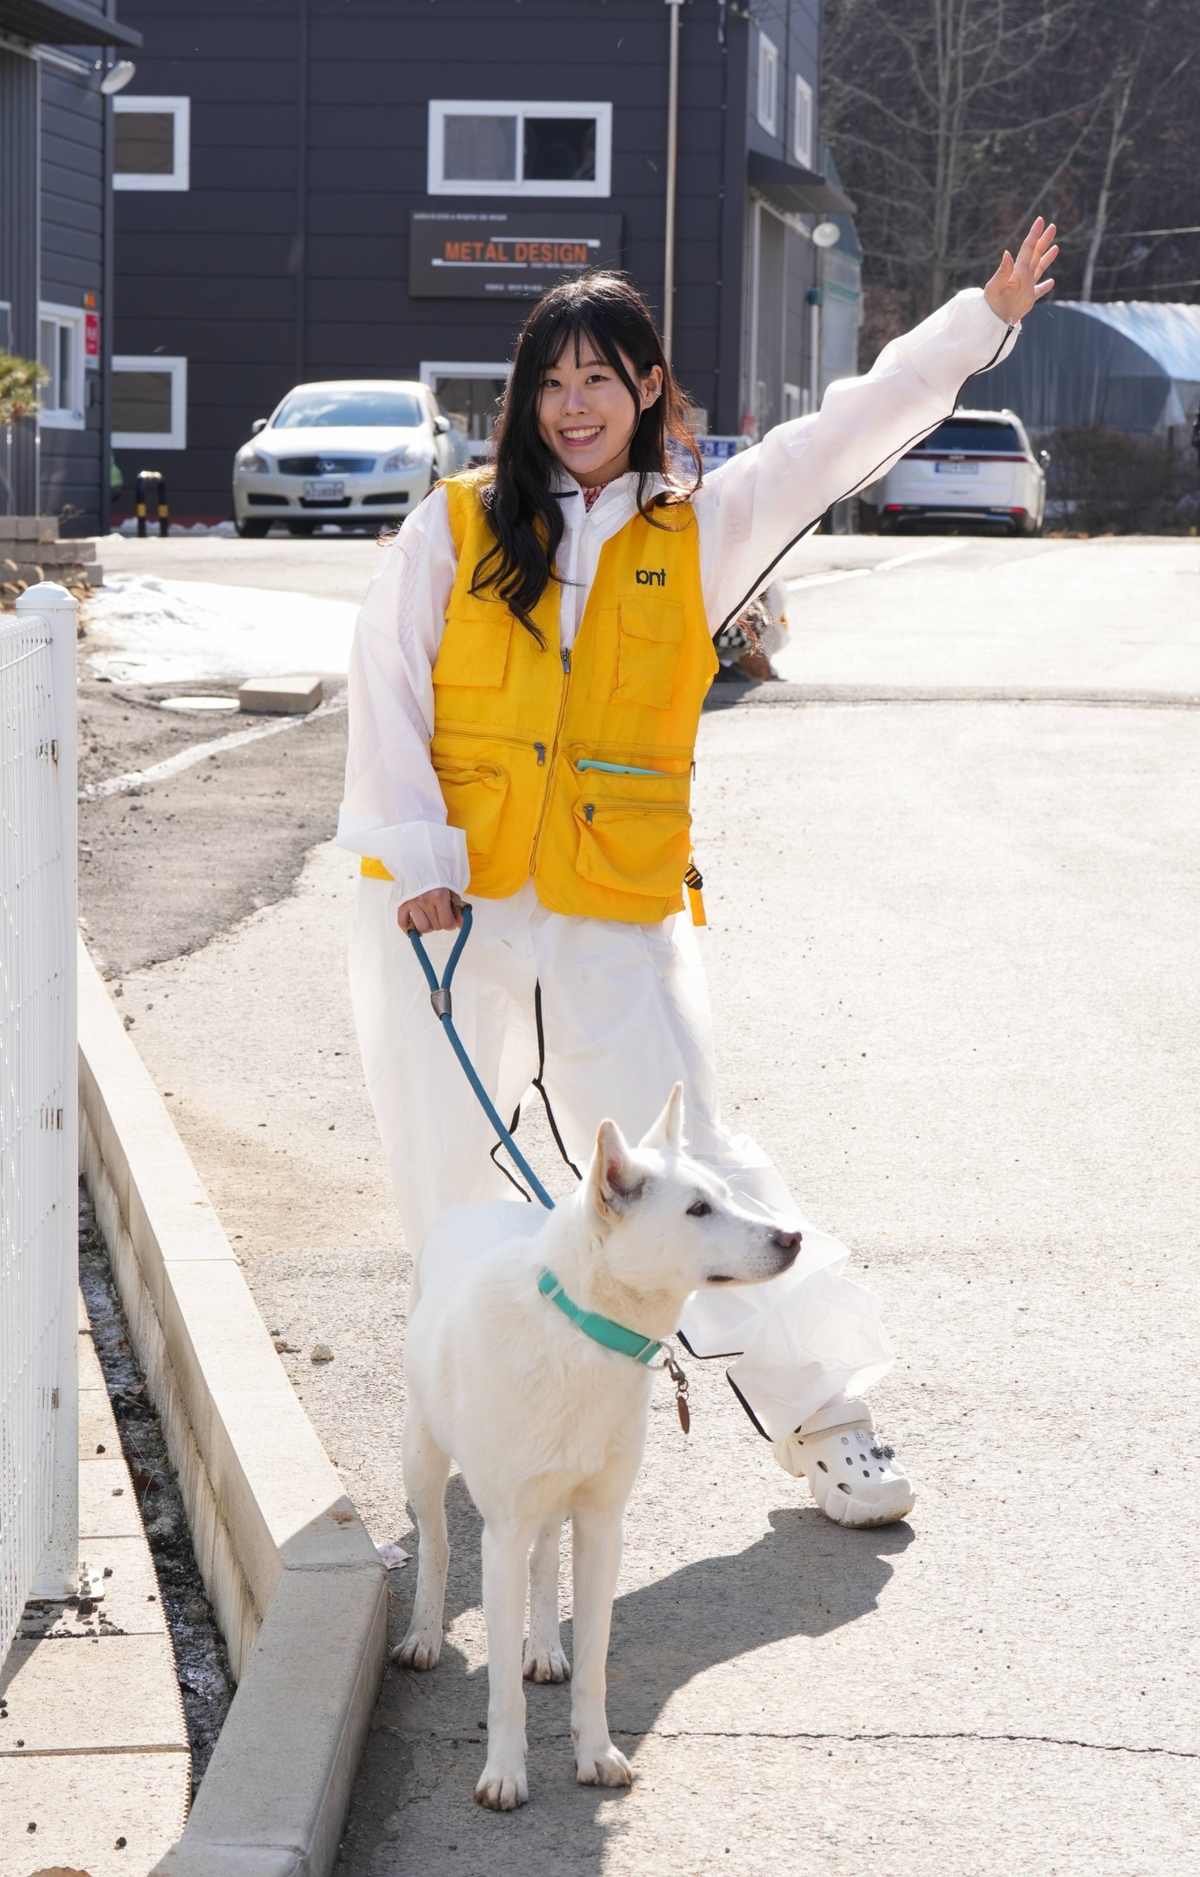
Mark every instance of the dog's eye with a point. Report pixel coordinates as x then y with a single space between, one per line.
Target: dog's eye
700 1210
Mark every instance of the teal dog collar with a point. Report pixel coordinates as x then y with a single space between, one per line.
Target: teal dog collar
600 1329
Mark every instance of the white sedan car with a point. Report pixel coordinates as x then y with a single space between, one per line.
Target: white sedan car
978 466
357 450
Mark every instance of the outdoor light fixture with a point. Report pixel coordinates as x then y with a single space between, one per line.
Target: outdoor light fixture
826 235
117 77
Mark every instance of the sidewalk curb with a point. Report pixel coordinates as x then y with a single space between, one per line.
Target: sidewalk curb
299 1592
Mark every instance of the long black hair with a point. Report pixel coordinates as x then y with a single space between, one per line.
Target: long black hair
525 515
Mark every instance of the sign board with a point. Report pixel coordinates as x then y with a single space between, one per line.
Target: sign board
511 256
717 450
91 341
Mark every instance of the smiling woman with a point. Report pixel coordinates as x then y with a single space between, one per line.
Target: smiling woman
591 392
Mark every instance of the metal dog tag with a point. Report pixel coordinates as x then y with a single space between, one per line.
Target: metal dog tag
681 1392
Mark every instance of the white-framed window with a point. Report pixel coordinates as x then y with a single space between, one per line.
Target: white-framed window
149 402
491 148
802 123
768 83
60 349
151 142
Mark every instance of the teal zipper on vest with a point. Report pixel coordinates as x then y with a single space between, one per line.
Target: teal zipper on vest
615 769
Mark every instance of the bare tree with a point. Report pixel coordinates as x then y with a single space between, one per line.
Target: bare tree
1146 69
939 116
1118 118
953 121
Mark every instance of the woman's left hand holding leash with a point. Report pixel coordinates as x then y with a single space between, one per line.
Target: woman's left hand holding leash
437 911
1016 286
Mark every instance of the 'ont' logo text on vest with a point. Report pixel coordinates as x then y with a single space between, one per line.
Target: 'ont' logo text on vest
652 576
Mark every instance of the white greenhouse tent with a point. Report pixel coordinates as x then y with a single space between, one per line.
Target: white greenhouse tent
1127 365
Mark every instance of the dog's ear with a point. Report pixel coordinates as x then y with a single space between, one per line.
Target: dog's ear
667 1131
614 1183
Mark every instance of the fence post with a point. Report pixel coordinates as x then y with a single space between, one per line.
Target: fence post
58 1572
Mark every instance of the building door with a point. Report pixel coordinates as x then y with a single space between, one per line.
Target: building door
768 316
470 395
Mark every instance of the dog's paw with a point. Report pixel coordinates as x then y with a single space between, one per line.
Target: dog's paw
545 1662
418 1650
607 1766
502 1788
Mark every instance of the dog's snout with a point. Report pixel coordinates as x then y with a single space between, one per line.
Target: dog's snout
788 1242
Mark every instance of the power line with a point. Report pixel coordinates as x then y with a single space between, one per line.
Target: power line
1159 286
1136 234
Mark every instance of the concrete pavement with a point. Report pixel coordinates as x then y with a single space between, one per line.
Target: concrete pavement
95 1767
952 958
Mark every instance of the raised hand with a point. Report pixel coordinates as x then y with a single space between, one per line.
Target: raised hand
1016 286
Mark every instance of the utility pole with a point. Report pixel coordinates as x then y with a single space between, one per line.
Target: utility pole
672 168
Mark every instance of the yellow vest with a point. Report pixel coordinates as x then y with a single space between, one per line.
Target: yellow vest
529 741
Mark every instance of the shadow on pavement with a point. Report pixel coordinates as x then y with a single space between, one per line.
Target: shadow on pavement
412 1809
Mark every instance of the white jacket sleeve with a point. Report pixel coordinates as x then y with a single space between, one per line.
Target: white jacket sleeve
393 808
756 506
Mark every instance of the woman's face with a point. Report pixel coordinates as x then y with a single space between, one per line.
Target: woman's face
586 415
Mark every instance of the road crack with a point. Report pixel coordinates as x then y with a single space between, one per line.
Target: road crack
1041 1740
864 1739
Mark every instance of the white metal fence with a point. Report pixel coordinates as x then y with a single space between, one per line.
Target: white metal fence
38 1134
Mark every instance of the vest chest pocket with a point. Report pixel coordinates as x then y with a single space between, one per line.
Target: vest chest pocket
474 794
474 648
649 639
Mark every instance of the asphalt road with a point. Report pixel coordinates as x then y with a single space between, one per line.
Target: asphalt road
952 952
335 567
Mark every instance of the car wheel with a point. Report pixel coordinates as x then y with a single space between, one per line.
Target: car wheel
252 530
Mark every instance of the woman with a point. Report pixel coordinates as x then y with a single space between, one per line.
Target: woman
525 689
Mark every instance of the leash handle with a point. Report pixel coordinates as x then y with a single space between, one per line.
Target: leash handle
439 997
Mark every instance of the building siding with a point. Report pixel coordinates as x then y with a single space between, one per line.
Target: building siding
288 256
72 263
19 232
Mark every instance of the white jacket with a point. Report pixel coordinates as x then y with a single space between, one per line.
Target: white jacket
750 512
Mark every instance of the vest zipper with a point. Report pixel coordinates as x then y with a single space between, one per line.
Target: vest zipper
541 753
565 655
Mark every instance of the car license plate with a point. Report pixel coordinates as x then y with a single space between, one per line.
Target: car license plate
324 491
956 469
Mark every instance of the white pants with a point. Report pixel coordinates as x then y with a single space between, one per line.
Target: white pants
625 1015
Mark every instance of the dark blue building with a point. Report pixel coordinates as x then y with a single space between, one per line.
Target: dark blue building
56 249
343 188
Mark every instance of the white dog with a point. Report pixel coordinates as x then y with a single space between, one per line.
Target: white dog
548 1423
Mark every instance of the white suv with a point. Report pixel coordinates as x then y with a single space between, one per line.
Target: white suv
978 466
351 450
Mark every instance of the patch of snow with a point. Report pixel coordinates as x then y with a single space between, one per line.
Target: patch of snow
142 630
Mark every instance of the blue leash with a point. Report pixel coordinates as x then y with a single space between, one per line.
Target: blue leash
599 1328
439 997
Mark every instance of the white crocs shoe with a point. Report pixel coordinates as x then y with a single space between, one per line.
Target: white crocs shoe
854 1479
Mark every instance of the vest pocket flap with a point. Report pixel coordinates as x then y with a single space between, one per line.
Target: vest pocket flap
474 794
648 653
633 847
474 648
662 621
